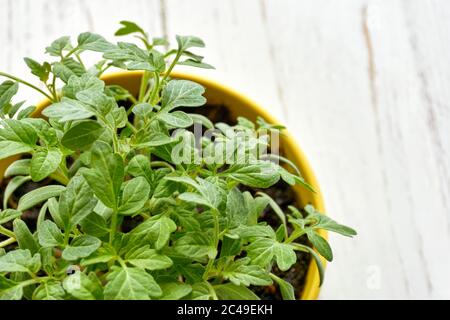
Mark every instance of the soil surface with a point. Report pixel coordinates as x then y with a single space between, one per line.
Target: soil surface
281 192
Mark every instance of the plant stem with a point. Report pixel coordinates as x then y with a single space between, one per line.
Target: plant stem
172 65
6 75
112 233
7 242
143 87
6 232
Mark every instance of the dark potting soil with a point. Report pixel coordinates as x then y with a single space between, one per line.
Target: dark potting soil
281 192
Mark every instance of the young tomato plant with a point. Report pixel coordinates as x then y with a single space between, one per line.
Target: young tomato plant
103 156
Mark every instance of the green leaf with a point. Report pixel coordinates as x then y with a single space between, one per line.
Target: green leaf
39 195
93 42
201 291
195 63
260 174
146 258
67 110
82 135
320 244
174 291
17 131
143 110
135 195
67 68
95 225
44 162
12 186
24 236
157 229
86 82
11 148
49 234
7 90
139 166
186 42
230 291
236 210
126 283
196 245
18 168
182 93
20 261
285 256
58 46
241 274
176 119
286 289
154 140
255 231
83 287
10 290
8 215
127 28
81 247
39 70
261 251
106 176
49 290
76 202
316 258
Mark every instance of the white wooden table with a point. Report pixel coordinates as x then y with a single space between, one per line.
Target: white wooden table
363 85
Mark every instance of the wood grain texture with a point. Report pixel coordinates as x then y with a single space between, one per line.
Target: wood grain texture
363 85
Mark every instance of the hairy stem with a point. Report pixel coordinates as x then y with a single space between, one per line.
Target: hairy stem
6 75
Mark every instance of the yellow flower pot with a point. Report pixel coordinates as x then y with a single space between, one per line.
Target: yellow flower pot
239 105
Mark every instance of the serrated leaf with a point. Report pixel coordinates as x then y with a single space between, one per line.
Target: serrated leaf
175 291
146 258
196 245
39 195
49 290
81 247
320 244
83 287
241 274
39 70
58 46
125 283
7 90
93 42
176 119
44 162
134 196
182 93
10 290
49 234
127 28
19 260
24 237
67 110
95 225
157 229
82 135
261 174
186 42
106 175
67 68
